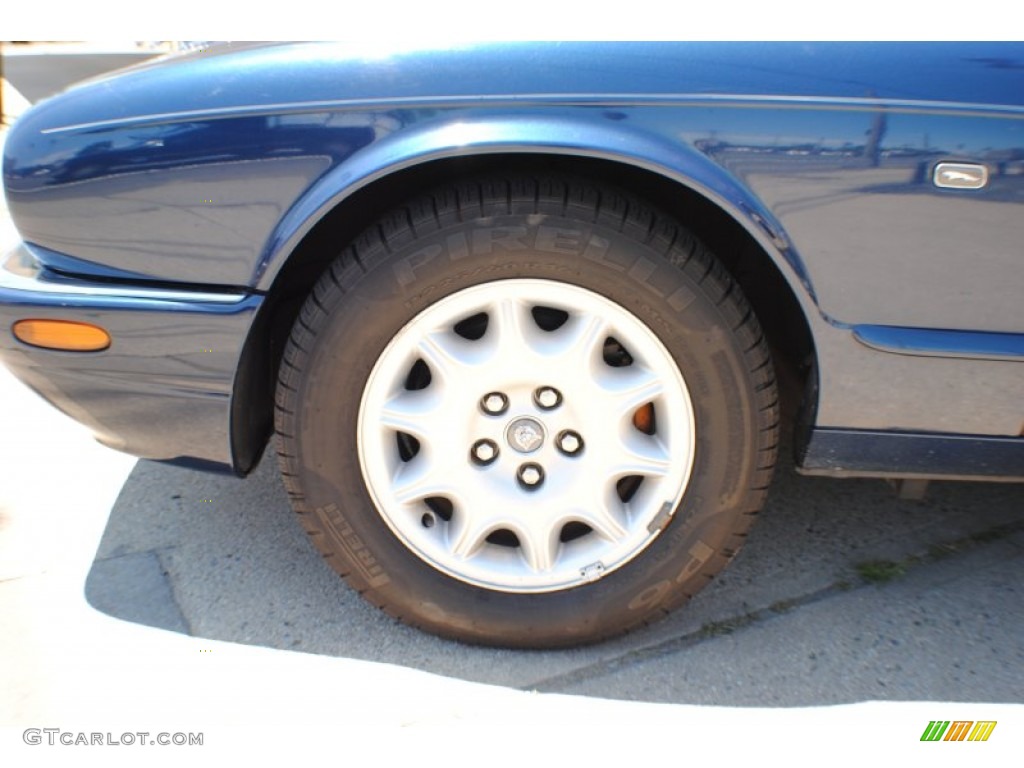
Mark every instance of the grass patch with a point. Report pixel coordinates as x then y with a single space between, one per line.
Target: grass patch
782 606
992 534
939 551
881 571
884 571
727 627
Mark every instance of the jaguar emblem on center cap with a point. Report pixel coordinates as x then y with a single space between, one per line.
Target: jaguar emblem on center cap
525 434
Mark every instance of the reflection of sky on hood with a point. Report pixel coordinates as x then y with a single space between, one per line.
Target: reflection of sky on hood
773 92
70 156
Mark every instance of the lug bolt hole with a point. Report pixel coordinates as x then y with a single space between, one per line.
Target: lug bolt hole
569 442
530 475
547 398
428 520
483 452
494 403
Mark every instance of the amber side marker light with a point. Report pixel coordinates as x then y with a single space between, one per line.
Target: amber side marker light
65 335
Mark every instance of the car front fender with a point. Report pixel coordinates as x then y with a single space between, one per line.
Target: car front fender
565 135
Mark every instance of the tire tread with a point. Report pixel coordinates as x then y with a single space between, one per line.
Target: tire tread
563 196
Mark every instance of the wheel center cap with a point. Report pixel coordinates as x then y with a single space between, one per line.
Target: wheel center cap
525 434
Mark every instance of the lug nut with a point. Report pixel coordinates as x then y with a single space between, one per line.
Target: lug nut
494 403
569 442
530 475
484 452
547 398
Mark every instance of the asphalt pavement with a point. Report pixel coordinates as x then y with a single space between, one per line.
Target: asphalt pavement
843 593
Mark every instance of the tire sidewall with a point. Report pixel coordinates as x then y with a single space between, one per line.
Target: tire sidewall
394 286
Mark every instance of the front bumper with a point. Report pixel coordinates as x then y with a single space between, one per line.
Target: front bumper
162 390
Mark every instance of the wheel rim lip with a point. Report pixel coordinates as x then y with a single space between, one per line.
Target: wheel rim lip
501 573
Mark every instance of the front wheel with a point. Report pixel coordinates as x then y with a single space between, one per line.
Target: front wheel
526 413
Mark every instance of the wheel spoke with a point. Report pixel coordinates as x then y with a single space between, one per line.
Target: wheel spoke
468 532
447 354
582 338
514 328
602 517
539 547
641 455
434 354
419 479
631 388
413 412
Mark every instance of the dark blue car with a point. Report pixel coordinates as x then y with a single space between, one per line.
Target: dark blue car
530 321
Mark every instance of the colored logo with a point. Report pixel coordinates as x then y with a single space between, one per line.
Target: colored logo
958 730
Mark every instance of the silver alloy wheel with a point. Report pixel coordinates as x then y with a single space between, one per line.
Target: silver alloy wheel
495 524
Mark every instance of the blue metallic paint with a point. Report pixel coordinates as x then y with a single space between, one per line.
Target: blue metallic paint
556 132
934 343
780 131
163 388
206 172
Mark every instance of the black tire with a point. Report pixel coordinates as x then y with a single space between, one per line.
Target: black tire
572 233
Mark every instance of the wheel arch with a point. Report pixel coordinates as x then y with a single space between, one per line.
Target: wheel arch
683 183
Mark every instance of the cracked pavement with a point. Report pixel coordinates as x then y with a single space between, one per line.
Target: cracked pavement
791 622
